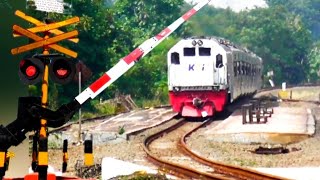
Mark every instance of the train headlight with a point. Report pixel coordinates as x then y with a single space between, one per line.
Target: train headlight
176 89
200 43
194 42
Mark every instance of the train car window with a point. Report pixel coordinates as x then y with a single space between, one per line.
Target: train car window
219 63
238 68
204 51
189 51
235 69
246 69
175 58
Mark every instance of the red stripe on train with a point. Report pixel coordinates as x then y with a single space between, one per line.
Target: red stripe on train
99 83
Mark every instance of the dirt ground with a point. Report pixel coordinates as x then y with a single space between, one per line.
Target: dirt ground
301 154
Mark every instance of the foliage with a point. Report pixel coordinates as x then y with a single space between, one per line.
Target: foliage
276 35
105 108
314 57
121 130
308 10
109 30
280 38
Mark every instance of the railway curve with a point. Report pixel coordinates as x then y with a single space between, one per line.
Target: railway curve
215 170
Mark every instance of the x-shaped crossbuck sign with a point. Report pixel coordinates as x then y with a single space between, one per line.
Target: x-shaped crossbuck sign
45 42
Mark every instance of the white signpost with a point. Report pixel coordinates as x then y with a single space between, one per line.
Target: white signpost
57 6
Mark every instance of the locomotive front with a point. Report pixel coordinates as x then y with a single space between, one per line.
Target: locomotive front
197 77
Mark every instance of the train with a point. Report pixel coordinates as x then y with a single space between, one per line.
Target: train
206 73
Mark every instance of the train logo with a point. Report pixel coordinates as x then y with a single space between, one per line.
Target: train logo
206 73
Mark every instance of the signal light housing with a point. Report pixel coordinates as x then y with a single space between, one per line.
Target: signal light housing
30 70
62 69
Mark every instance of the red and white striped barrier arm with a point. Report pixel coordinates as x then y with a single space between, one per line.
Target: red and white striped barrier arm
127 62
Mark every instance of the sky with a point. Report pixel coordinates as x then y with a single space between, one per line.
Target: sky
235 5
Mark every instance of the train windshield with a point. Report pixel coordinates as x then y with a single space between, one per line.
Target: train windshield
204 51
175 58
189 51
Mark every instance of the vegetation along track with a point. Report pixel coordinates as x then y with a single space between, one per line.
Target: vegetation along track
169 145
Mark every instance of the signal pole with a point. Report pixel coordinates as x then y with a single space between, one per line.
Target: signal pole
40 147
79 132
43 134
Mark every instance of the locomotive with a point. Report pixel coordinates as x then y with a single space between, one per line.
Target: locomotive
206 73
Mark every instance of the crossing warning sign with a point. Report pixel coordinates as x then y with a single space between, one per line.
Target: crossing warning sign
45 42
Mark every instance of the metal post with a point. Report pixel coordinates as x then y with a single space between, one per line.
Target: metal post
65 155
43 133
88 153
79 132
247 109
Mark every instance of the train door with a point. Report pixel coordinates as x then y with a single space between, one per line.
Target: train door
236 82
230 76
220 69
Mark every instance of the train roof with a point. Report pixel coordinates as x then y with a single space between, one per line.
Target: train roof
226 44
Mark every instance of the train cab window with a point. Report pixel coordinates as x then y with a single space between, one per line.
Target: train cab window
175 58
204 51
189 51
219 62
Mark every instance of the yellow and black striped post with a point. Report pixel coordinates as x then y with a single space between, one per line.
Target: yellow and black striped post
88 153
34 151
65 155
8 156
43 132
2 163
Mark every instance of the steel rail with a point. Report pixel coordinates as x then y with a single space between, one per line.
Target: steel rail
173 168
236 171
222 171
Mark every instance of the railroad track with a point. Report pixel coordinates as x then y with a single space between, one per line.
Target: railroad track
169 145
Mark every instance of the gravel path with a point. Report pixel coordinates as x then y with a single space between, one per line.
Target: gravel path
302 154
131 151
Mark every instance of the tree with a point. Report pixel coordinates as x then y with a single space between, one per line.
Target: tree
280 38
108 31
140 20
314 58
307 9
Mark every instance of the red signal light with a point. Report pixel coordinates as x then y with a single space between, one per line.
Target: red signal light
62 72
62 69
31 71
